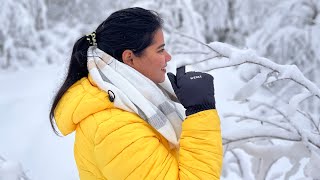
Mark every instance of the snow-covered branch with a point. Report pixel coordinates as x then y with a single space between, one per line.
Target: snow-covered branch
224 55
240 136
229 56
266 156
274 123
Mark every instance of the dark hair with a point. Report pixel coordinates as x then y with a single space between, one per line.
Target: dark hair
131 28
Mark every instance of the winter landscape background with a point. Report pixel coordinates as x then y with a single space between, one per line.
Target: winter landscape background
266 84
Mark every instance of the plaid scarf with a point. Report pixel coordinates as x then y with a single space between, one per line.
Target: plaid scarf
136 93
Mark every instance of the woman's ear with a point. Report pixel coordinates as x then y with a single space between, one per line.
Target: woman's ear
127 57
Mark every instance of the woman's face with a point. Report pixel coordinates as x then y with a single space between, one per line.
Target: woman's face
153 61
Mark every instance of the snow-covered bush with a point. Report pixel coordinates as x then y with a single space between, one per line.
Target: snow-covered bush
20 22
11 170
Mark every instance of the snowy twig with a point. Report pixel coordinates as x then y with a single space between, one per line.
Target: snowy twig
225 150
238 162
306 115
196 40
258 119
259 137
298 130
280 113
267 170
190 52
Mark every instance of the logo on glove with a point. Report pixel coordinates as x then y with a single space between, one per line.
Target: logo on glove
196 77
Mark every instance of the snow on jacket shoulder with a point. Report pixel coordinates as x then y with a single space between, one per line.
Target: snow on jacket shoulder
114 144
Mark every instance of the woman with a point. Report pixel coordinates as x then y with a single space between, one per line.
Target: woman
126 125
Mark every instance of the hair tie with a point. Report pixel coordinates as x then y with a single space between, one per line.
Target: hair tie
91 38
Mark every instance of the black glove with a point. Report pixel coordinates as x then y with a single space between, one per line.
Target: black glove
194 90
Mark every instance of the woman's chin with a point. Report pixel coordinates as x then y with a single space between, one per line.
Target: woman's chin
159 80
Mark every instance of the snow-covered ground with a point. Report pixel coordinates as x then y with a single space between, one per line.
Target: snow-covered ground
25 132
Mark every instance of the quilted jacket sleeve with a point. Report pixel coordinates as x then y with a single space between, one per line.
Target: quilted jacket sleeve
126 147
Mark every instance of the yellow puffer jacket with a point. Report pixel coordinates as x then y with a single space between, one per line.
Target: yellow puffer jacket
114 144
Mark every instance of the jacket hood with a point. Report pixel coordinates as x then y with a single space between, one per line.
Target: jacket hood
81 100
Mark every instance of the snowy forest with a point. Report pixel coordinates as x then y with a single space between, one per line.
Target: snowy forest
264 55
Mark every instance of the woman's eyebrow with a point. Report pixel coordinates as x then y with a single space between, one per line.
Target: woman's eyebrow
161 46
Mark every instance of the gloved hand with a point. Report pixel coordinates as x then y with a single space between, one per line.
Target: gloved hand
194 90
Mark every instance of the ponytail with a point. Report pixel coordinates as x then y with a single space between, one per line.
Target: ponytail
77 70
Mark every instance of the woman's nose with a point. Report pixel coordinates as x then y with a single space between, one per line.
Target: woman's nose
168 56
